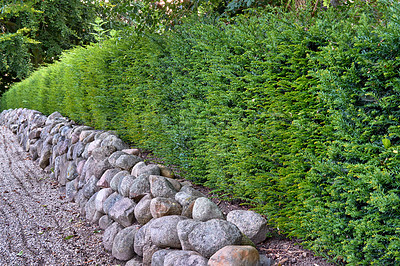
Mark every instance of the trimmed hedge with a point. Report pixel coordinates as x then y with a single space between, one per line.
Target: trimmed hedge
297 115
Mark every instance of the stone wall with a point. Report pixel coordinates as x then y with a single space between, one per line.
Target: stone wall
148 217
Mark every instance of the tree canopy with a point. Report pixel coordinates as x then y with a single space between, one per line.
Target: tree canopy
34 32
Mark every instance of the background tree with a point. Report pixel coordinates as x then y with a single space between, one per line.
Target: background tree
35 32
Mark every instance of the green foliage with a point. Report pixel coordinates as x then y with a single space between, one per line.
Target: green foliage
36 32
298 115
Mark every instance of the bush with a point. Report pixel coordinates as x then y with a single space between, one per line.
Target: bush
297 115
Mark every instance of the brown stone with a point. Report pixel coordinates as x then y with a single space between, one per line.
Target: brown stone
235 256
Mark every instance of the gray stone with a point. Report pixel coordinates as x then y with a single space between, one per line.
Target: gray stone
159 257
105 221
53 117
184 228
90 208
125 185
134 262
185 258
188 210
70 153
81 201
45 155
123 243
110 201
117 178
114 141
148 251
160 207
89 138
252 224
184 199
102 195
142 238
123 211
175 183
204 210
161 187
96 168
132 151
191 191
90 147
142 210
77 130
104 134
148 170
264 261
71 172
61 171
34 149
235 255
84 134
62 146
70 191
74 138
102 153
79 166
137 167
65 130
209 237
139 187
127 161
163 231
106 178
114 157
90 187
35 134
79 147
109 235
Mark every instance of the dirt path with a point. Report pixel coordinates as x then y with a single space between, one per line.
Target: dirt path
37 225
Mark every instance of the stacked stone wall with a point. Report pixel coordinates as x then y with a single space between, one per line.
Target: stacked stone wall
148 216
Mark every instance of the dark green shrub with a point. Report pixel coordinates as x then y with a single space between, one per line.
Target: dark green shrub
297 115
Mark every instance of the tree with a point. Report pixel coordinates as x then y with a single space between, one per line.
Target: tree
35 32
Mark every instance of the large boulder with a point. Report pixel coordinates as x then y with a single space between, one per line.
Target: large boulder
209 237
123 243
110 201
109 235
235 256
161 187
184 228
204 210
164 233
125 185
101 197
139 187
185 258
123 211
160 207
250 223
143 238
113 140
142 210
114 183
106 178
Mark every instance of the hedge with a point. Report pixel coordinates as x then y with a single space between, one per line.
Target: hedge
297 115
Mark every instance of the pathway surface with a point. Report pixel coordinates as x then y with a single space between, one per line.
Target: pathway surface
37 225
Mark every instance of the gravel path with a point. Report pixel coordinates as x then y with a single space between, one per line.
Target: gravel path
37 225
